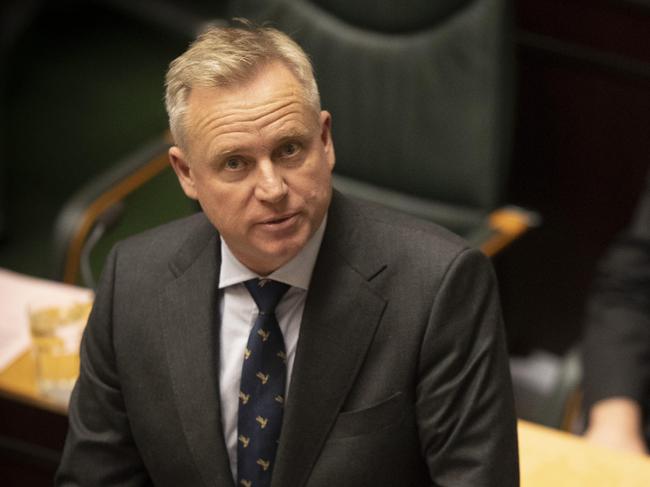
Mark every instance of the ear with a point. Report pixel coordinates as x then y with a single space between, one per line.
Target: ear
183 171
326 137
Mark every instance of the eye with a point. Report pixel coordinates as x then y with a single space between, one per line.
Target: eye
234 164
289 149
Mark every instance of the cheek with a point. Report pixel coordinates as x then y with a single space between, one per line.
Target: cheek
323 185
224 205
318 197
217 193
312 193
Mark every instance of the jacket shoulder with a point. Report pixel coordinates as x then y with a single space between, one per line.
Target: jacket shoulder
172 244
385 230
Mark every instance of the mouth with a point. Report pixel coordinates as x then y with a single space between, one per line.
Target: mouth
279 221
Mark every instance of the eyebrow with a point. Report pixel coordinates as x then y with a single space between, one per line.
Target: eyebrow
229 151
293 134
293 131
289 134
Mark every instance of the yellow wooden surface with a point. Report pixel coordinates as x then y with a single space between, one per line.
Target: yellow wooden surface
551 458
18 382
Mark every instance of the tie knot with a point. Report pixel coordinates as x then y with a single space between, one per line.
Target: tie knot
266 293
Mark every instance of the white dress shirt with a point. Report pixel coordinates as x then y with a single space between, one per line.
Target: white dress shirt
238 313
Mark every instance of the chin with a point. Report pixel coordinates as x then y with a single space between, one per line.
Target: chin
278 256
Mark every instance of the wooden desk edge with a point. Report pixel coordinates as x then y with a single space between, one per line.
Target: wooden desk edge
17 384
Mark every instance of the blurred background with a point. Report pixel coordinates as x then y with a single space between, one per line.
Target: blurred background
82 88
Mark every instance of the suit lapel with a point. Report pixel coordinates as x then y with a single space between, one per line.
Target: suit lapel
190 328
341 315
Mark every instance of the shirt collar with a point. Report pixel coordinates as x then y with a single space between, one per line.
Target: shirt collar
297 272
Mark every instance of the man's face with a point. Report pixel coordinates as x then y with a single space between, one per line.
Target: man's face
259 161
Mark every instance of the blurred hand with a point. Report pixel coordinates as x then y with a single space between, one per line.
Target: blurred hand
617 423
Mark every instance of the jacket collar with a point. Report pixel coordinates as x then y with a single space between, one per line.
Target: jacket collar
190 326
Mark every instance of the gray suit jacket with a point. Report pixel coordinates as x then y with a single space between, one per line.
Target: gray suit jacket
400 378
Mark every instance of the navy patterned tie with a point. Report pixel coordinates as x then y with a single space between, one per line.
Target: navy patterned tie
261 395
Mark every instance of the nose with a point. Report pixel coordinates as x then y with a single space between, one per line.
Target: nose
270 186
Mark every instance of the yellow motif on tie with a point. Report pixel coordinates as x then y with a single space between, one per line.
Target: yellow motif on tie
244 397
265 464
264 334
262 421
279 399
262 377
247 353
283 356
246 483
244 440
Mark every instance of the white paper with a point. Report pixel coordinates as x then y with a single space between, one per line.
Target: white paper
16 291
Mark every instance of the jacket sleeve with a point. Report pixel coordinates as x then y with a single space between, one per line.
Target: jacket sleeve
99 448
465 405
616 347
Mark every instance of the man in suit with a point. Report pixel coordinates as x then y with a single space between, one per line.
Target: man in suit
392 343
617 340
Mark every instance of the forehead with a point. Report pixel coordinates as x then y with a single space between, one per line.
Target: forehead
273 100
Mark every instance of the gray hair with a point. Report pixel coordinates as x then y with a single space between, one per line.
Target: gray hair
222 56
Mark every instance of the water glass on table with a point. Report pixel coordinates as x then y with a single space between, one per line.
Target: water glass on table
56 328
